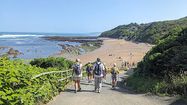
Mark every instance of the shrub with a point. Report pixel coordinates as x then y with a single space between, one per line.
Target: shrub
162 69
177 85
61 62
168 58
18 87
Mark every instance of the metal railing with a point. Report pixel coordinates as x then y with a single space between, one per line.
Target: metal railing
66 74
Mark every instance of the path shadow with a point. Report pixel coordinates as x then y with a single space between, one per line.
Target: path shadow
179 102
69 90
120 87
82 83
92 84
72 90
107 83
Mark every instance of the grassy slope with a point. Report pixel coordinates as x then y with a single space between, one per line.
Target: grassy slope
163 66
150 32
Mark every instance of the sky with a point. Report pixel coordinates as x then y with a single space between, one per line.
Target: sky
83 16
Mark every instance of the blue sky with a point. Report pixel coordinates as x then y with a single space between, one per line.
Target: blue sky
81 16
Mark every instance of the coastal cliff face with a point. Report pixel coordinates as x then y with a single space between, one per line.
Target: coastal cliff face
150 33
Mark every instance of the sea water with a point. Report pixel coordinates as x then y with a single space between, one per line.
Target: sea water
32 46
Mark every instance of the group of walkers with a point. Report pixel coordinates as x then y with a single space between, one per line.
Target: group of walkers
97 71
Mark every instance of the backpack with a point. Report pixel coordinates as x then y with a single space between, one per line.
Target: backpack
89 68
97 69
113 72
77 69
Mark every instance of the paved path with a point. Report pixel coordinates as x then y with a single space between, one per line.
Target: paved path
119 96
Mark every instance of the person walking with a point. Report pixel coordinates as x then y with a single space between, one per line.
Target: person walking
98 74
89 71
77 74
114 73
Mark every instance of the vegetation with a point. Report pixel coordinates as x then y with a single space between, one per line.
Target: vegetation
90 46
83 48
151 32
59 63
164 66
17 85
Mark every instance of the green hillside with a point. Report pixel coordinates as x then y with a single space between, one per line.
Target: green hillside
164 67
167 58
150 32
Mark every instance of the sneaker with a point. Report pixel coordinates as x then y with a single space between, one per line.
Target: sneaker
99 91
79 90
112 87
95 90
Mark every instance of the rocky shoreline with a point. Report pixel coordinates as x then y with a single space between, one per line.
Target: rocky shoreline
84 45
79 39
10 52
87 44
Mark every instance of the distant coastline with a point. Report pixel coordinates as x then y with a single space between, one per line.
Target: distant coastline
87 44
31 45
51 33
80 39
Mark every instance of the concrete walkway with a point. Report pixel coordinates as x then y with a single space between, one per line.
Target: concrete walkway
119 96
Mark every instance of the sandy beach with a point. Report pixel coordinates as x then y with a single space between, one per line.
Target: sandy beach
115 51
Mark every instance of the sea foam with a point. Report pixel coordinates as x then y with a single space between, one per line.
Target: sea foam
18 36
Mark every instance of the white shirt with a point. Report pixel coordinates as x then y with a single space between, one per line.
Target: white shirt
102 69
75 75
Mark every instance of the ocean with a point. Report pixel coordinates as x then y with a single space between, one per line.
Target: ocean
32 45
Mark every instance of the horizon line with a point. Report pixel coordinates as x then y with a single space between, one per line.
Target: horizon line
52 33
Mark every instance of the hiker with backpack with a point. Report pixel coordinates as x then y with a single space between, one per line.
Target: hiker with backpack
77 74
89 71
114 72
98 74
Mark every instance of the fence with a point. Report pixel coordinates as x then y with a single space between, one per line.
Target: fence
66 74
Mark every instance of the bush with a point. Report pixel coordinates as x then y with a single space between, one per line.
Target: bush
18 87
141 84
60 63
162 69
157 86
168 58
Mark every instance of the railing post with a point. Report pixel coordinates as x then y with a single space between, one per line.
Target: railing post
185 92
61 75
66 77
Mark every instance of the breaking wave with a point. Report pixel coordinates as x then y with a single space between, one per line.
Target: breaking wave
18 36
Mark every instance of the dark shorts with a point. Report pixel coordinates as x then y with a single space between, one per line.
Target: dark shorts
114 78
